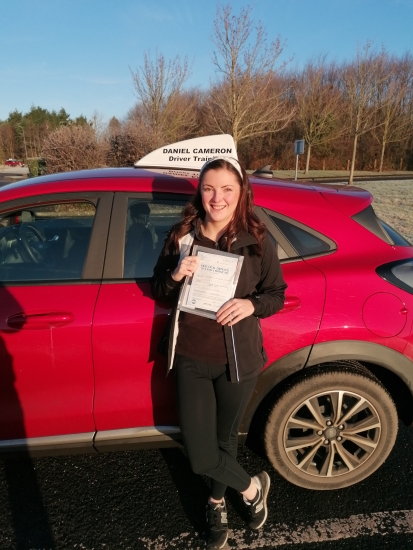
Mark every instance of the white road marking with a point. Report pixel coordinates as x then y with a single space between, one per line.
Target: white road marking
378 523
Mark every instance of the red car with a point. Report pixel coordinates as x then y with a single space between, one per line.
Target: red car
80 370
13 162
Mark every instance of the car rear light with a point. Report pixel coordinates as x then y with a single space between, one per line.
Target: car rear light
398 273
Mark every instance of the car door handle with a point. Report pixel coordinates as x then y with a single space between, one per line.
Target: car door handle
290 304
40 320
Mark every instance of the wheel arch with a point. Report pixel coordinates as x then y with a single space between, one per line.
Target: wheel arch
269 380
393 369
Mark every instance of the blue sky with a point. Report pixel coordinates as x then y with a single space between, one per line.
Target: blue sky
76 54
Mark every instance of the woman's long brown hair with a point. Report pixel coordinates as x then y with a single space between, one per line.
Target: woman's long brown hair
244 218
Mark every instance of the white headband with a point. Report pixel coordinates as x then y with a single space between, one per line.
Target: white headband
231 160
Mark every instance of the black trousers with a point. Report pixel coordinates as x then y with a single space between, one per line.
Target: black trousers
211 408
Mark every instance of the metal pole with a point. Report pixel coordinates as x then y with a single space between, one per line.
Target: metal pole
296 167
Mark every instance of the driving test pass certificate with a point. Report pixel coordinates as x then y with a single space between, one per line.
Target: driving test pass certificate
213 283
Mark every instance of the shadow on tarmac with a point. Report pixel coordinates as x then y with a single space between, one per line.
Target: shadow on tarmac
28 515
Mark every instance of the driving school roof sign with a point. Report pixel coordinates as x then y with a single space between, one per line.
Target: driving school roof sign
190 154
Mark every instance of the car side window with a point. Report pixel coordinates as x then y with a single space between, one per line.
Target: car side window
45 242
305 242
147 225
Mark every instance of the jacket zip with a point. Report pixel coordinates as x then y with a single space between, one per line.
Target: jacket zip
235 353
233 340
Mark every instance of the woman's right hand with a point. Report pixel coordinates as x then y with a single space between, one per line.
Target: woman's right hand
186 267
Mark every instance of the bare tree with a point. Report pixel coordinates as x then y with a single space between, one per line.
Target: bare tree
319 105
182 122
395 105
7 142
158 85
34 134
128 142
246 100
73 148
99 124
361 80
114 126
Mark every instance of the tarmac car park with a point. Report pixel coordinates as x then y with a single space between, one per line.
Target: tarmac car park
79 330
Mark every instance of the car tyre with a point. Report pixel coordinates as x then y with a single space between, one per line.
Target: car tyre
333 427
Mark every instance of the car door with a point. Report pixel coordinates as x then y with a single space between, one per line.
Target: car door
290 333
51 260
134 397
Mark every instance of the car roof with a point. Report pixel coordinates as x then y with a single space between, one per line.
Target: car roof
349 200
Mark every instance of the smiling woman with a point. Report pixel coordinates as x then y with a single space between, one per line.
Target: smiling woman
220 195
217 376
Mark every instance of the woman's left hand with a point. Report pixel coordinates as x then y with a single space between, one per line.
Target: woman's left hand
234 310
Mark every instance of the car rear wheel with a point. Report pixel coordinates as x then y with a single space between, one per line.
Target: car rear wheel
334 427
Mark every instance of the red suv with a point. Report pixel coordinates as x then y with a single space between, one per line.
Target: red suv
79 328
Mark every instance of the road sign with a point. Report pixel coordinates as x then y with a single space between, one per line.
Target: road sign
298 150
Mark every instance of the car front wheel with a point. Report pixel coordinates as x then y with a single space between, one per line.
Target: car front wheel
332 428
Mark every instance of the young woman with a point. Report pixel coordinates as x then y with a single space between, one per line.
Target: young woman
217 361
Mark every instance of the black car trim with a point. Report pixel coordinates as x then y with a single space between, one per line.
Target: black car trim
385 272
95 257
50 445
150 442
60 282
367 218
317 255
318 354
147 437
126 281
275 232
361 351
117 231
269 379
132 438
51 198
